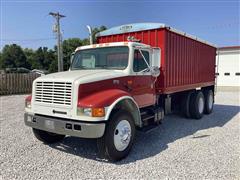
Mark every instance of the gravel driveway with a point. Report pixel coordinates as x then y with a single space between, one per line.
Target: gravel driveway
178 149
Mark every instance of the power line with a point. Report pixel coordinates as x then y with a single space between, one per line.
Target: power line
36 39
222 25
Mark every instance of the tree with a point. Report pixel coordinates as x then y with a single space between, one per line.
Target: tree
53 67
0 60
52 61
97 30
85 42
42 58
29 53
13 57
39 58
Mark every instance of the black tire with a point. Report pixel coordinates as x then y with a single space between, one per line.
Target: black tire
185 102
106 144
209 100
47 137
196 111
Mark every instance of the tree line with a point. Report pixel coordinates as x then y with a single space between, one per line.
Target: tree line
43 58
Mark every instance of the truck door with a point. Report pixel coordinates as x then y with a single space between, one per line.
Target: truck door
143 89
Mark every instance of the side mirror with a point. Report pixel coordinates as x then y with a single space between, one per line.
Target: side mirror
155 72
71 59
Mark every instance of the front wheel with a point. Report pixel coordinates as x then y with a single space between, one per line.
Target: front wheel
118 138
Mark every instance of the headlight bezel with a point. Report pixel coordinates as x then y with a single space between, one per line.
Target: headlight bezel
90 112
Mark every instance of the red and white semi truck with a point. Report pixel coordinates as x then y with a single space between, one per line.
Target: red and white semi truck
129 80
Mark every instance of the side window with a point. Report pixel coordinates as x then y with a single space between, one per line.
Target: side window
138 63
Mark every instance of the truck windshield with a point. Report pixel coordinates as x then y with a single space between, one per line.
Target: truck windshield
101 58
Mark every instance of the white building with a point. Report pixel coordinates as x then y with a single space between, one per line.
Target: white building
228 70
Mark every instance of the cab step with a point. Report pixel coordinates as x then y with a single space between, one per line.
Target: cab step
146 117
151 115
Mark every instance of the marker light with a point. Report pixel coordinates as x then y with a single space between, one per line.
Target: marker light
98 112
28 100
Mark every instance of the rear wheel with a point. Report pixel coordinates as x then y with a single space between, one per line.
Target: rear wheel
47 137
118 138
185 102
209 100
197 103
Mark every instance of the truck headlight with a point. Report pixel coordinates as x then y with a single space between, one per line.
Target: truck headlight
28 100
87 111
92 112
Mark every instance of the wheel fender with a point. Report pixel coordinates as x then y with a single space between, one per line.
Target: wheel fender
126 103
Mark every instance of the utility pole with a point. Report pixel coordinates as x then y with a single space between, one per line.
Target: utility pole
58 16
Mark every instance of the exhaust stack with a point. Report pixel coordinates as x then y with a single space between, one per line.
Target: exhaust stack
90 34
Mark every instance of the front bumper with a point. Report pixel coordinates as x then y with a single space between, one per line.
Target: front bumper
65 126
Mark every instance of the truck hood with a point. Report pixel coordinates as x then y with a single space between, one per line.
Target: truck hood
82 76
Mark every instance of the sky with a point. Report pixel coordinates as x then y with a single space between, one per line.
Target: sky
28 24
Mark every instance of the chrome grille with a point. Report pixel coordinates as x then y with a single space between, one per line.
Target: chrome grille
53 92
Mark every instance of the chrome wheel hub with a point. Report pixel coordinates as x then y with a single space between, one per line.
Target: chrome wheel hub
122 135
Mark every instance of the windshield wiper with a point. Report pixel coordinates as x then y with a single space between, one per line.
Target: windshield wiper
80 67
101 66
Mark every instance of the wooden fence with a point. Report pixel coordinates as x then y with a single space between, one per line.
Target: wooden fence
16 83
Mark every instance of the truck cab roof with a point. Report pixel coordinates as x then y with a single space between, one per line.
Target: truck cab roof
124 43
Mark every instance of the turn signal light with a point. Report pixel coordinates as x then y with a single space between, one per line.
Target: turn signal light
28 101
98 112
